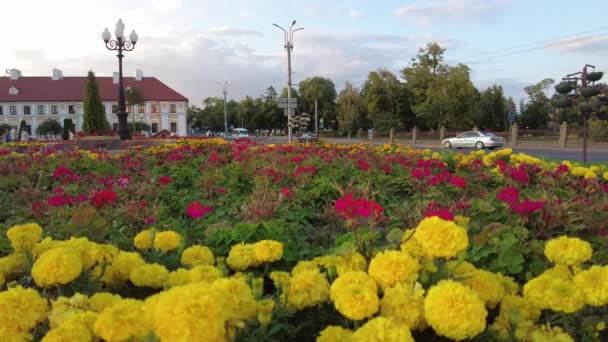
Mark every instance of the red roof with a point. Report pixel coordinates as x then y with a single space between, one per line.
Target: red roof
45 89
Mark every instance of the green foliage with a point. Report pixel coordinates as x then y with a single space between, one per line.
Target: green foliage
67 128
324 91
5 128
598 129
94 117
49 127
351 109
493 109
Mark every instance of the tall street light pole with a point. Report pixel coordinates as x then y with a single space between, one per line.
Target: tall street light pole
288 37
225 92
120 44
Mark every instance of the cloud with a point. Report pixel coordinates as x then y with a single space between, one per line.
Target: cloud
233 31
354 13
596 44
428 12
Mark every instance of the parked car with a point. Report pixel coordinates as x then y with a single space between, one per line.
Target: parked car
238 133
476 139
308 137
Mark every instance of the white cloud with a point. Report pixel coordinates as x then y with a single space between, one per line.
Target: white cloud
354 13
427 12
233 31
588 45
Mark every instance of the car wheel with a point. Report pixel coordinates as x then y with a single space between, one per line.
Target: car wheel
479 145
447 144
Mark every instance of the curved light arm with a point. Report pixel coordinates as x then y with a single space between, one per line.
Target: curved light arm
291 37
285 33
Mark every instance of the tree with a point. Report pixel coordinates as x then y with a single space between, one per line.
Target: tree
324 91
380 92
94 118
351 108
5 128
67 128
270 95
49 127
539 112
493 109
134 98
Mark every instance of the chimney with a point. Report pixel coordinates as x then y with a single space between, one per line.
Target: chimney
57 75
139 75
15 74
115 78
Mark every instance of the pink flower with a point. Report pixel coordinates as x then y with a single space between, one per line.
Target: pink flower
285 192
164 180
458 182
221 191
362 164
102 197
520 175
433 209
123 180
526 207
508 195
149 220
350 208
57 201
196 210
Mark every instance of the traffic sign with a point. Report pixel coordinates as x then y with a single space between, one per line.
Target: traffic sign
512 117
282 102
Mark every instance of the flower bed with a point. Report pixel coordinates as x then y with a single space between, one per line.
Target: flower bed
204 240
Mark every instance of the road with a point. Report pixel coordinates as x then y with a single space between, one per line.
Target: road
596 155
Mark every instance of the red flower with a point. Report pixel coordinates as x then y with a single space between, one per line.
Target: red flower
221 191
286 192
362 164
458 182
520 175
196 210
123 180
508 195
102 197
526 207
164 180
350 208
57 201
433 209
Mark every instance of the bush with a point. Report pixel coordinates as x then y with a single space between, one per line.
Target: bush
67 127
49 127
598 129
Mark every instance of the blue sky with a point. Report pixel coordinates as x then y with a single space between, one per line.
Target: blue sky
192 44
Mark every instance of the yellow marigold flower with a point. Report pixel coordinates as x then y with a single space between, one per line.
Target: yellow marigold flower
43 246
178 277
125 262
487 285
93 254
307 289
382 329
197 255
150 275
122 321
21 310
241 303
441 238
548 292
390 268
454 311
69 332
568 251
350 262
578 171
515 313
13 265
57 266
205 273
355 295
600 326
24 237
241 257
280 279
335 334
605 176
265 307
102 300
268 250
509 284
64 308
305 266
167 241
193 312
144 240
405 305
410 245
547 333
593 283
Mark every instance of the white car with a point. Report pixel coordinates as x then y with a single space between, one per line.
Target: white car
239 133
476 139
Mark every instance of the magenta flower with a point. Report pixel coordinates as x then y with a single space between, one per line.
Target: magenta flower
164 180
196 210
508 195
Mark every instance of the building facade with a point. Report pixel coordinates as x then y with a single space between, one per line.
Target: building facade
35 99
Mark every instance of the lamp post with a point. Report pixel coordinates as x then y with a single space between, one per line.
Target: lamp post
289 47
225 93
120 44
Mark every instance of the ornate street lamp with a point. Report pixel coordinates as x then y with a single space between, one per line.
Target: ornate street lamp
120 44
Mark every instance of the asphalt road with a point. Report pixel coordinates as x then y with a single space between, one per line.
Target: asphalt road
596 155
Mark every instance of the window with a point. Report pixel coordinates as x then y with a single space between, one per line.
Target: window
172 108
12 110
40 110
174 127
115 127
27 110
155 108
1 112
142 108
155 127
54 109
114 109
71 109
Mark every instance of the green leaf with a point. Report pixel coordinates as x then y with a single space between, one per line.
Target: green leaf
346 248
394 236
510 257
486 207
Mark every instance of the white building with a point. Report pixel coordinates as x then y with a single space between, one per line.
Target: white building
37 98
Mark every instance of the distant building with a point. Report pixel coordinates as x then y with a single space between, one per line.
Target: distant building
37 98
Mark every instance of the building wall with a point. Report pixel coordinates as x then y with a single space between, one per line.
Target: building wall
163 118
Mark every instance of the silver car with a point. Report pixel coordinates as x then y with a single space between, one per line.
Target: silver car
476 139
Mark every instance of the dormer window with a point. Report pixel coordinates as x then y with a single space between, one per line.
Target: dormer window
13 91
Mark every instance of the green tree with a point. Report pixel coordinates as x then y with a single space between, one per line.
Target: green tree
493 109
67 128
324 91
5 128
133 99
351 108
94 118
49 127
246 112
539 112
381 91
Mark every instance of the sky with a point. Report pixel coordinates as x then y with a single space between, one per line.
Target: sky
191 45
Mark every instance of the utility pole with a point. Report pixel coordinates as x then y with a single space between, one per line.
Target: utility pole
289 47
225 92
316 116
